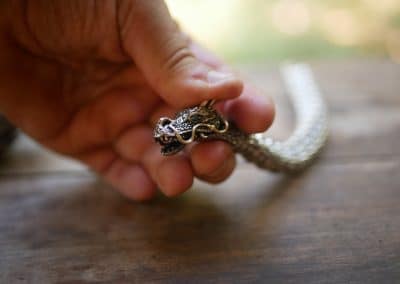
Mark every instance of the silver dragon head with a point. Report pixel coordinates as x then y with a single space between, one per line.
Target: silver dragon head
189 125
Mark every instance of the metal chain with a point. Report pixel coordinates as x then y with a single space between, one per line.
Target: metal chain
308 138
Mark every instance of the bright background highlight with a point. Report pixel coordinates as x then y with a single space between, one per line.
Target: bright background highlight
254 30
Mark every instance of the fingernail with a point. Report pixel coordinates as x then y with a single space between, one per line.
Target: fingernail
216 77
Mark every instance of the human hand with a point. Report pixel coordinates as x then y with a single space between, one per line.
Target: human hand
89 79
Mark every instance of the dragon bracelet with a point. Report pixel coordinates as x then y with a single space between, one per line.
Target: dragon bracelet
203 122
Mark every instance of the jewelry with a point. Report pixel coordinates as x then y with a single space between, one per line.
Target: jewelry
203 122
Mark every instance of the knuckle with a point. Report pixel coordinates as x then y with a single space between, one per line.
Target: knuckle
178 56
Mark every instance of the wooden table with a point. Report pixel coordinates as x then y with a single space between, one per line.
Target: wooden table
339 222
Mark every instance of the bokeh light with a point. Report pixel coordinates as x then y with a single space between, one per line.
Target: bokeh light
291 17
274 30
341 27
393 44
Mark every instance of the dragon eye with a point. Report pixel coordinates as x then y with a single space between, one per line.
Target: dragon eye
164 121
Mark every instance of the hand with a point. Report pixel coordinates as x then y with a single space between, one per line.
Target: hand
89 79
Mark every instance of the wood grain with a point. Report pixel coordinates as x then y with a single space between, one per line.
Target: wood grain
339 222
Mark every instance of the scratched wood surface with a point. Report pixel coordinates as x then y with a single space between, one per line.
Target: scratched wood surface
339 222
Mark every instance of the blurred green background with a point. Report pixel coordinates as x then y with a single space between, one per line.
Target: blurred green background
275 30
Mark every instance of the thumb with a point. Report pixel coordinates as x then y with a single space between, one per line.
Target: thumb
161 51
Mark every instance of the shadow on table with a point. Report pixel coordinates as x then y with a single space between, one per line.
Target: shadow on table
195 216
106 230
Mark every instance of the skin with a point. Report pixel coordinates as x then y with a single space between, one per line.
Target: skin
89 79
